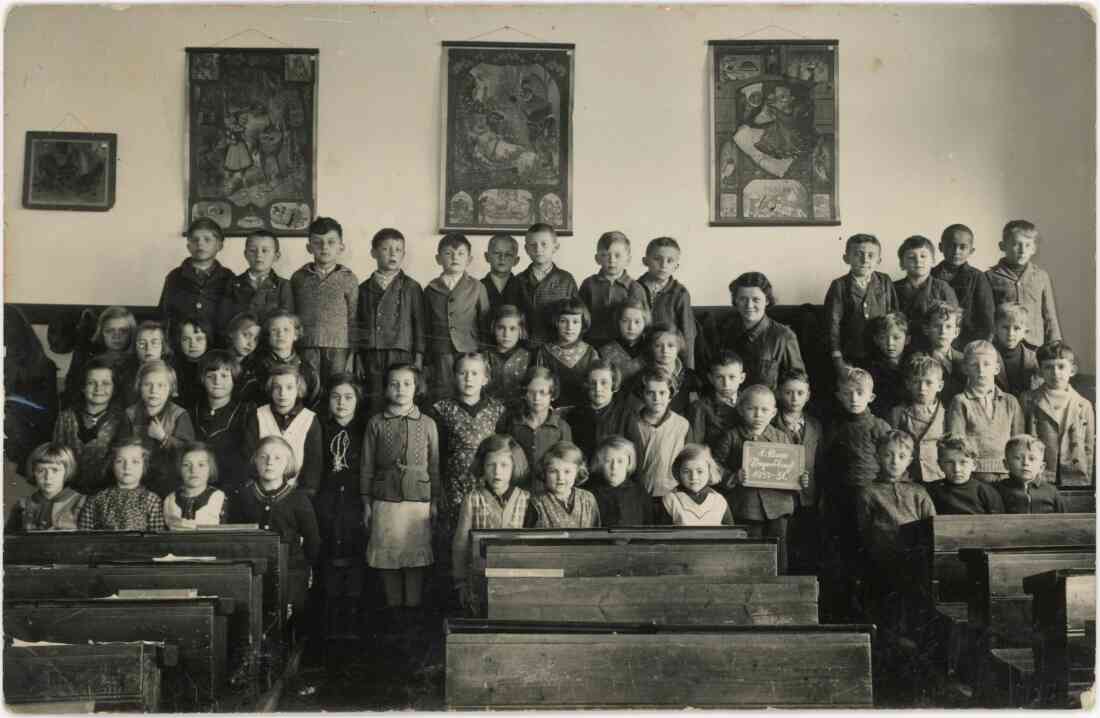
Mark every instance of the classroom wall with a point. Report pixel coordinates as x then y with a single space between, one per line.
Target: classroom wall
947 114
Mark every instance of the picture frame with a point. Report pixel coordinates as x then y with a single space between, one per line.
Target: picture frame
73 171
251 147
773 132
507 137
769 465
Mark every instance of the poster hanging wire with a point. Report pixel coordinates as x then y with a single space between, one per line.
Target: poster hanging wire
66 117
505 27
772 27
250 30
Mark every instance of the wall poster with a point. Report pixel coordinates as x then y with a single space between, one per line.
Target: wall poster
773 132
251 140
507 137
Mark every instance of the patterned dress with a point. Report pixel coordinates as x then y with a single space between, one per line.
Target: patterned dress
580 511
570 364
507 372
462 428
119 509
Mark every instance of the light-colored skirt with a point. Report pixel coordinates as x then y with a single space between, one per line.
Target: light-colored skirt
400 535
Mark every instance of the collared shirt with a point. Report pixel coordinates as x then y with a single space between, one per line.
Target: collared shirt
849 309
975 295
384 279
1029 497
1032 288
456 317
990 420
328 306
391 316
657 446
539 296
400 457
603 296
188 293
1069 435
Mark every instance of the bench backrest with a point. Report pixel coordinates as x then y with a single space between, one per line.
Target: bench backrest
1065 627
933 544
675 600
513 664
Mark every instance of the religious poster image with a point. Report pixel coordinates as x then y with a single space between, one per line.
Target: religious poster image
773 132
507 137
251 139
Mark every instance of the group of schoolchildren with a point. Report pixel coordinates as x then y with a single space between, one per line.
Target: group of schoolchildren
385 420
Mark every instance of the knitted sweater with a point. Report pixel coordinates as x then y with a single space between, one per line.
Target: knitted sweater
328 306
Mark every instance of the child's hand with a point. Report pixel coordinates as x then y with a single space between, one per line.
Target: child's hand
156 430
804 479
366 516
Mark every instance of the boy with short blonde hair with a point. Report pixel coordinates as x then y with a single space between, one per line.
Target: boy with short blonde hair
985 413
958 493
326 299
258 289
855 299
605 291
1017 279
668 300
1025 491
543 285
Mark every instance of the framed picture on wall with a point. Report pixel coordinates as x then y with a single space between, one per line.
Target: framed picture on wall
507 137
773 132
251 138
70 170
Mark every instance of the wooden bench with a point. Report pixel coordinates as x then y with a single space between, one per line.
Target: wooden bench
932 545
95 547
240 580
1000 614
678 600
516 665
1064 602
197 626
86 677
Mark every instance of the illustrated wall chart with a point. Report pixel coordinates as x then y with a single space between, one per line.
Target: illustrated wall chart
773 140
252 138
507 137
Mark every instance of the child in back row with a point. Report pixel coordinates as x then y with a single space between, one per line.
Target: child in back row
508 359
326 300
1061 418
923 417
694 502
983 412
113 342
391 315
1017 279
855 299
456 310
971 286
258 289
607 290
501 285
1019 369
622 500
918 289
543 284
669 301
197 286
569 356
150 344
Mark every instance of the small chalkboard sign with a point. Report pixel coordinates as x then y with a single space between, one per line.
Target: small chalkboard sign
773 466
